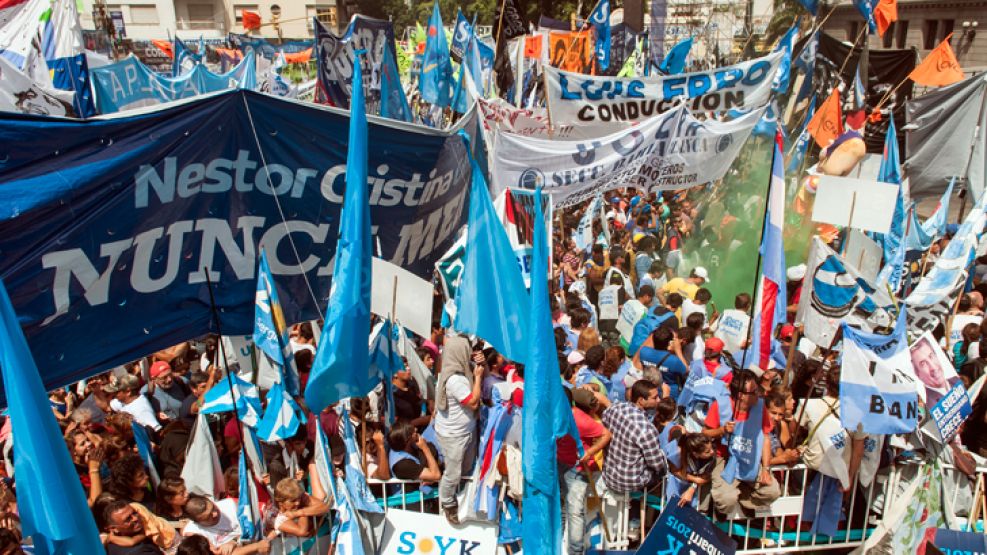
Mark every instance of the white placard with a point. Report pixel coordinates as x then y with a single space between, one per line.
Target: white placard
407 532
869 203
413 306
864 254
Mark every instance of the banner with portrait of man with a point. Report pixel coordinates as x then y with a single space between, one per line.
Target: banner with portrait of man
571 51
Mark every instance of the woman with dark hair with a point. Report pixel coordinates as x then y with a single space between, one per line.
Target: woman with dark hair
690 467
130 482
171 498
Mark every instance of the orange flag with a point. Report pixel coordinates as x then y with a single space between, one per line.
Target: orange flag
885 13
532 46
939 68
251 20
300 57
827 123
164 46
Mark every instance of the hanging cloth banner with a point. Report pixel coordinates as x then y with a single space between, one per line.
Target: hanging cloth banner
130 84
571 51
105 247
335 58
620 101
668 152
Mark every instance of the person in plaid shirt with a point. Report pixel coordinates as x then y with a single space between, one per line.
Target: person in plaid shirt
635 460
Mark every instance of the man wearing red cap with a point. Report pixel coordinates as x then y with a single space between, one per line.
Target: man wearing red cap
165 392
711 360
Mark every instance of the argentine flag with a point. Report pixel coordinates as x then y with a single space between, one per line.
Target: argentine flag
244 398
281 417
270 329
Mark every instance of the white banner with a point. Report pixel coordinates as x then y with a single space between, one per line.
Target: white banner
667 152
407 532
590 100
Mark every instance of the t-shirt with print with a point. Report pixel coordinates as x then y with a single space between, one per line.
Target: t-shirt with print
457 420
225 531
713 421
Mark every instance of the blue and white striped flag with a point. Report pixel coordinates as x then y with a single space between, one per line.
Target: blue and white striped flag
247 506
281 417
144 450
244 398
356 482
270 328
346 528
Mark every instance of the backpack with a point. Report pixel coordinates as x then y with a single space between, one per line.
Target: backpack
645 327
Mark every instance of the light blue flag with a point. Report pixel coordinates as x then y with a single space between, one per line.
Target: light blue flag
181 53
360 496
894 239
144 450
393 102
812 6
797 153
473 67
600 19
674 62
347 529
50 500
436 70
386 361
786 46
547 415
492 299
270 327
247 513
244 398
859 92
916 239
281 417
342 366
460 36
935 226
806 63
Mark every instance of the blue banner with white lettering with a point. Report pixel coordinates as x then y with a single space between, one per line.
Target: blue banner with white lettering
951 411
685 531
335 58
131 84
106 226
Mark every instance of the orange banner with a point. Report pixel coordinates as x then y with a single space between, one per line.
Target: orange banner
571 51
533 45
299 57
939 68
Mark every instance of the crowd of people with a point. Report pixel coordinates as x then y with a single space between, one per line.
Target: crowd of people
633 321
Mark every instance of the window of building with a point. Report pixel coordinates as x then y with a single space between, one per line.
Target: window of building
930 33
201 16
240 8
900 33
325 13
854 31
143 15
945 28
888 39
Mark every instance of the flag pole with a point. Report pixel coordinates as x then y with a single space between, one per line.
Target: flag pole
226 364
757 267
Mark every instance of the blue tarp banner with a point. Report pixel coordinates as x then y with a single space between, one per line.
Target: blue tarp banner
131 84
335 58
106 225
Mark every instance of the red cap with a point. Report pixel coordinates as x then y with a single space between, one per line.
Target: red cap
158 368
714 345
786 332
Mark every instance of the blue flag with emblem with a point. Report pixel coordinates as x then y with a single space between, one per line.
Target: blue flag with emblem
471 68
674 62
600 19
547 415
281 417
460 36
745 446
50 500
243 398
435 79
492 299
342 366
270 328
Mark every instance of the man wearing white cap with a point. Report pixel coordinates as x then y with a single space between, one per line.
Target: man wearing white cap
686 287
795 275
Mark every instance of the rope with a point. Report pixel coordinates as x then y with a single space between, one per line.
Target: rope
284 221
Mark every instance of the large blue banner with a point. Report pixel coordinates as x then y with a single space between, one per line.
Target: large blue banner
107 226
131 84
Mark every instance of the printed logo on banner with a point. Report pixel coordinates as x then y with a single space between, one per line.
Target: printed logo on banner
144 227
683 530
411 533
951 411
336 54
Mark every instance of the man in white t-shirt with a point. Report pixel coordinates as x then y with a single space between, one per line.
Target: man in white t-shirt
128 399
217 522
458 397
732 325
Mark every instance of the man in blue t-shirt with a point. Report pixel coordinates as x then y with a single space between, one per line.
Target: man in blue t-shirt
663 352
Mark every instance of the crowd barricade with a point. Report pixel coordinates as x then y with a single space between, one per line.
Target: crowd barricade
776 528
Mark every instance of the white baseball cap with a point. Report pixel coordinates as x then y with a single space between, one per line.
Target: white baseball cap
701 272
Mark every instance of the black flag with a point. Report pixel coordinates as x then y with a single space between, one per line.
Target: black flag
508 24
